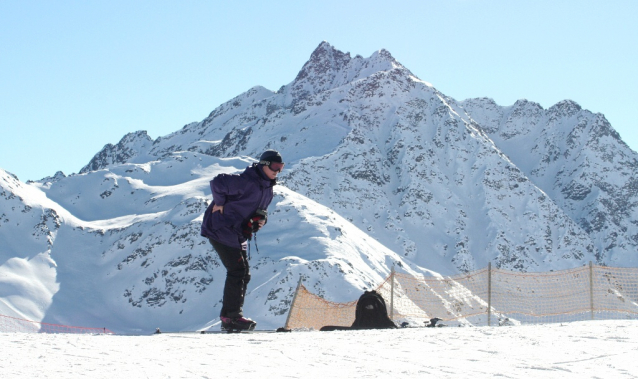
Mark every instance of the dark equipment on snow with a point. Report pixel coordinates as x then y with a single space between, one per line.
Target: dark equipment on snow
370 313
237 324
432 323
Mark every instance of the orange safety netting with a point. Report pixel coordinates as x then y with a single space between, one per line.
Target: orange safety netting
12 324
488 296
310 311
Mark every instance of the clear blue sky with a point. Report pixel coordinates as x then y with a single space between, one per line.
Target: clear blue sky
76 75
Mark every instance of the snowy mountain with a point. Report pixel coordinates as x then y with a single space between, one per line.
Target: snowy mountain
124 251
579 160
382 170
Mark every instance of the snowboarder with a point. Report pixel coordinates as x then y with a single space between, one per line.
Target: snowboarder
239 209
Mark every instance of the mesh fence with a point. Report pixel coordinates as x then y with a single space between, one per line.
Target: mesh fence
487 297
12 324
310 311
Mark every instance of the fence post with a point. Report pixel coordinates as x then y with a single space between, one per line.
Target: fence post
294 298
392 293
591 289
489 294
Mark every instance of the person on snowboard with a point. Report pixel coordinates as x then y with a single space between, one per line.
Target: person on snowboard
239 209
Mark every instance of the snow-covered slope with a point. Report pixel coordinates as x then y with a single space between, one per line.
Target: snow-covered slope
579 160
133 260
383 170
29 224
586 349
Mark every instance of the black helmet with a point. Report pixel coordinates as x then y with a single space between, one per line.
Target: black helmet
270 156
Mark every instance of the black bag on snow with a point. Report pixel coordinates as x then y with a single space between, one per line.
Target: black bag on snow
371 313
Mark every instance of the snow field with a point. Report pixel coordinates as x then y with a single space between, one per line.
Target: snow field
589 349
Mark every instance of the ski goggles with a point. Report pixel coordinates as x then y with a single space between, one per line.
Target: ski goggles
274 166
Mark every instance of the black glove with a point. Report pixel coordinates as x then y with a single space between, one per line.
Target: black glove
252 225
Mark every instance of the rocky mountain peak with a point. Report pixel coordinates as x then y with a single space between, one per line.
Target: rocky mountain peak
329 68
565 108
324 60
51 179
131 145
524 103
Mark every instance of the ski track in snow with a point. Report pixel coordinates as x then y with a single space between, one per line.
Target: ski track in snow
589 349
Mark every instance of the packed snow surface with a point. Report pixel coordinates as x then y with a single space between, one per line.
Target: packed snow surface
590 349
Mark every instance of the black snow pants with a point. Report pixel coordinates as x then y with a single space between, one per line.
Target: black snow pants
237 278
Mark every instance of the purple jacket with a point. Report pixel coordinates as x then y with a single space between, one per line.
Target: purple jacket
241 195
